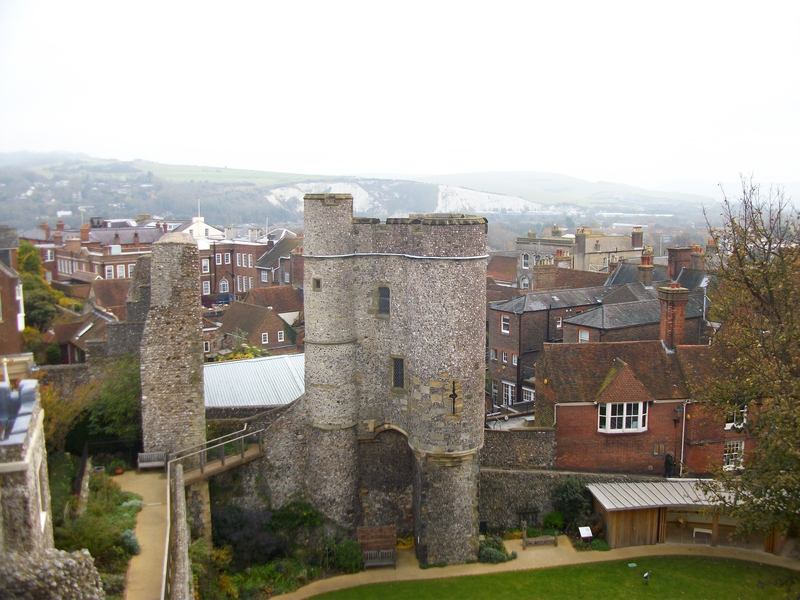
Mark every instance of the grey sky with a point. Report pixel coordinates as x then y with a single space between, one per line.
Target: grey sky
638 92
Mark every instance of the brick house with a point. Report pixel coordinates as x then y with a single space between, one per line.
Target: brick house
12 309
285 300
282 264
256 326
623 406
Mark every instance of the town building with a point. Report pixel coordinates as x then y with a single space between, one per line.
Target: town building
12 309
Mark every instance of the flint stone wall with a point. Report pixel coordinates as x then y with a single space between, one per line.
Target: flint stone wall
519 449
507 493
50 575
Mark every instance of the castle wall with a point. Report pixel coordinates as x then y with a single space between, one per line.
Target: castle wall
173 408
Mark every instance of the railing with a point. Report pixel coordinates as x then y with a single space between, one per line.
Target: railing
218 444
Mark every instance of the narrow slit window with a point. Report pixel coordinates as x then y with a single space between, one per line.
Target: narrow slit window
398 373
384 297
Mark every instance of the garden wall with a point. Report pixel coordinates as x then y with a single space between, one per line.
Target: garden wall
519 448
50 575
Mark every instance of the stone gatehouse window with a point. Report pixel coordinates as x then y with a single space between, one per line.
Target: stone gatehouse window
384 299
316 284
398 373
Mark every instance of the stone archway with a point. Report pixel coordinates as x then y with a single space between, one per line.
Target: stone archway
386 485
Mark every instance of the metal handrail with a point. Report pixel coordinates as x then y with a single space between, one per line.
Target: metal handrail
180 456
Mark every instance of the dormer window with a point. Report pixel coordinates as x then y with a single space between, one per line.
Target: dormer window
736 419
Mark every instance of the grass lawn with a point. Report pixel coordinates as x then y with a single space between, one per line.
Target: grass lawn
670 577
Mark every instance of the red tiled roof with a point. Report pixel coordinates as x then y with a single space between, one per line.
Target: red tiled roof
501 267
110 293
621 385
577 372
281 298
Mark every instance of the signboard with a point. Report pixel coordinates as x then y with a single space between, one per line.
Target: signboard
586 532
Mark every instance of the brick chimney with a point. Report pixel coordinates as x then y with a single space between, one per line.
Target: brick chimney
673 300
637 237
73 245
85 232
697 258
646 267
116 238
58 238
46 228
677 259
60 225
136 239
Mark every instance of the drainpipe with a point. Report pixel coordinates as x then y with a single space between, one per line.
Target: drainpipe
683 436
519 354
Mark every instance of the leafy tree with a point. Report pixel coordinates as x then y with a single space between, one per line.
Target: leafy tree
117 409
53 354
62 412
758 359
39 298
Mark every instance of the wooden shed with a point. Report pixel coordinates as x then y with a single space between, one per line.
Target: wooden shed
638 514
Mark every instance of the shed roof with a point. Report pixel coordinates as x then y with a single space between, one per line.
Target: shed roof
632 496
268 381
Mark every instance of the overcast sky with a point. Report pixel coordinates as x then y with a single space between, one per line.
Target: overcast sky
640 92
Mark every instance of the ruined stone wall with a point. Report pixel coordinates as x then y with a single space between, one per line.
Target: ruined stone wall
506 493
386 485
519 449
173 407
50 575
67 378
180 585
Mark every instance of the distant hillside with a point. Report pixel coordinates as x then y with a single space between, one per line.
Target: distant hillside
42 187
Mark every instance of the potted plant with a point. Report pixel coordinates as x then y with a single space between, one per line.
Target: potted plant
117 467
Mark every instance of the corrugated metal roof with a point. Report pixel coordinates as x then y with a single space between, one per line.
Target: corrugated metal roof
268 381
629 496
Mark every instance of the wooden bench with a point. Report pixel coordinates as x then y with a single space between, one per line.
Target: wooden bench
536 541
701 530
378 546
151 460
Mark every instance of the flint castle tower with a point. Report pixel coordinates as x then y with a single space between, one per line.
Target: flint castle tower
395 320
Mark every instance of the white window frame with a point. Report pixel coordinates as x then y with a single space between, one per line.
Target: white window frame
205 266
583 336
733 455
238 260
622 417
286 277
238 283
265 338
736 419
509 393
493 354
525 284
131 267
525 261
227 258
559 322
251 283
49 255
528 395
264 276
505 324
505 357
281 336
206 288
120 271
218 258
206 346
109 272
494 391
250 261
224 288
514 359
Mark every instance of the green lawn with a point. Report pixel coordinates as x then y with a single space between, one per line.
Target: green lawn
670 577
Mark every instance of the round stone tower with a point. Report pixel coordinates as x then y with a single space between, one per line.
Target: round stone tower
331 349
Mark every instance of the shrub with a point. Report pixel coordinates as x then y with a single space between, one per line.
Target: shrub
293 516
493 551
601 545
553 520
130 543
52 354
249 534
573 501
113 584
347 556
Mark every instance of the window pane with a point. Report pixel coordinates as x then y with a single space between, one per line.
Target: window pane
383 301
398 373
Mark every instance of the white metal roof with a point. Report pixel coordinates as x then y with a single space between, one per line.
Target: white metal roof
268 381
628 496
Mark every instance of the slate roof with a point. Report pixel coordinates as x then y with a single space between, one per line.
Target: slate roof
693 279
630 314
577 372
631 496
281 298
554 299
105 236
268 381
502 267
627 272
8 238
280 250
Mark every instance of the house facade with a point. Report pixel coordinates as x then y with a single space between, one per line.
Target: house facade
12 309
